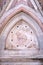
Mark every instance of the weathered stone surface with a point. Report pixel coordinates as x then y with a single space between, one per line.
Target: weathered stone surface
22 63
21 37
21 33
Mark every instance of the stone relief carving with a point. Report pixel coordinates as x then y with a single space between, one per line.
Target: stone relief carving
21 37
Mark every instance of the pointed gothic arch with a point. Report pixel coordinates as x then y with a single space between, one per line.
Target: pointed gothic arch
21 36
21 33
14 20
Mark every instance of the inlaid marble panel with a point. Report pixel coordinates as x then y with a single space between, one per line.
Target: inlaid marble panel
21 36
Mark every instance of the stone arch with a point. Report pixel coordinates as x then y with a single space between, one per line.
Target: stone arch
5 18
20 13
14 20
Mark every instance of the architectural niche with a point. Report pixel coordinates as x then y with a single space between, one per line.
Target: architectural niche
21 36
21 33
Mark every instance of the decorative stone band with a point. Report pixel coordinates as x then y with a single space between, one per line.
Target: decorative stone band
16 10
